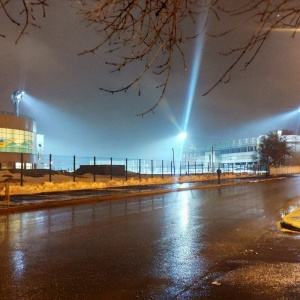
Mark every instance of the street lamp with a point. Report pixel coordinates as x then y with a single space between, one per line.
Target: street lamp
173 162
16 97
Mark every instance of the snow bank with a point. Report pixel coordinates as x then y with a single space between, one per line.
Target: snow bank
33 185
293 218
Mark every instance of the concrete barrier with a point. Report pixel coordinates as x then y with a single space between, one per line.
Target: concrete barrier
284 170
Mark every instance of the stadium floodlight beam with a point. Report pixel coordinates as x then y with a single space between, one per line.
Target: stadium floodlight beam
16 97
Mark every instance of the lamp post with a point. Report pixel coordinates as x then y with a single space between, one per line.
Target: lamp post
173 161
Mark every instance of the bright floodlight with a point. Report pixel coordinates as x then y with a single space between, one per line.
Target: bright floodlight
182 135
16 97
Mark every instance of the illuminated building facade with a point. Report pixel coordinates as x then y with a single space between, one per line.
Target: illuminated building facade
18 135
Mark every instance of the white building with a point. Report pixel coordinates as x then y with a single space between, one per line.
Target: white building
231 155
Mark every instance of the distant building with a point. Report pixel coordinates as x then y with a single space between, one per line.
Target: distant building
231 155
18 134
293 141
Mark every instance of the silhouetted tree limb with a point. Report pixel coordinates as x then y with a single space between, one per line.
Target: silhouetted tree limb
150 33
142 26
264 17
22 13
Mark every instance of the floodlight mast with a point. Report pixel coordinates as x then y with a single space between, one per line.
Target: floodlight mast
16 97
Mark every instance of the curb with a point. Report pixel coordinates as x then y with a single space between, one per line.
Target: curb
53 204
289 227
286 224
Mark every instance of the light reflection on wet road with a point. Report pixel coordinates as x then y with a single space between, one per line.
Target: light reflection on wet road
171 246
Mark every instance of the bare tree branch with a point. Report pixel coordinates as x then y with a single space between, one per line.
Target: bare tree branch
146 32
267 17
24 16
150 33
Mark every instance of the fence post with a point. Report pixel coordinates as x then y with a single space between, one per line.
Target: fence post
126 168
140 169
94 168
111 164
50 167
21 169
180 169
171 169
162 169
152 168
74 166
195 169
188 169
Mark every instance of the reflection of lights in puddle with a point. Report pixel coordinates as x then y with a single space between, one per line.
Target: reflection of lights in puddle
178 259
184 216
18 260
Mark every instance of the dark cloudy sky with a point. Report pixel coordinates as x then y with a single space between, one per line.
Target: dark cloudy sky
77 118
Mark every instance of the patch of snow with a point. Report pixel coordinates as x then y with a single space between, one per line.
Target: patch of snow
62 182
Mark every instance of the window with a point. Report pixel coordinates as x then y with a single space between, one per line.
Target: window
13 140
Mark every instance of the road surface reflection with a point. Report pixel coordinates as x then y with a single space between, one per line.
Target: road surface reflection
168 246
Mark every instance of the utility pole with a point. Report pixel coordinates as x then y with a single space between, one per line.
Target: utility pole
173 162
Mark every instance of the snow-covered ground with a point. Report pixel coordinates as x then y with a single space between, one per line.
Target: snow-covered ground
62 182
292 218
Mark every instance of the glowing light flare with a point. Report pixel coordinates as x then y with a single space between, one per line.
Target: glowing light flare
182 135
170 115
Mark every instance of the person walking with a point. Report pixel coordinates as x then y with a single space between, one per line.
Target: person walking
219 175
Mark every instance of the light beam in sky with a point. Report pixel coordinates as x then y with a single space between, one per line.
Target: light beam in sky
286 120
193 80
193 84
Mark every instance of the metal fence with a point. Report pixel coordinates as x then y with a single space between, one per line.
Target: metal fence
124 168
138 167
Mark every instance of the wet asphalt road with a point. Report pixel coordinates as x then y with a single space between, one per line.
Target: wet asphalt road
220 243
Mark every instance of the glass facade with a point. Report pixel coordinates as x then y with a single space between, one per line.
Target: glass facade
14 140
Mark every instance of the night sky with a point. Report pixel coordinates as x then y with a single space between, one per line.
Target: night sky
63 93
